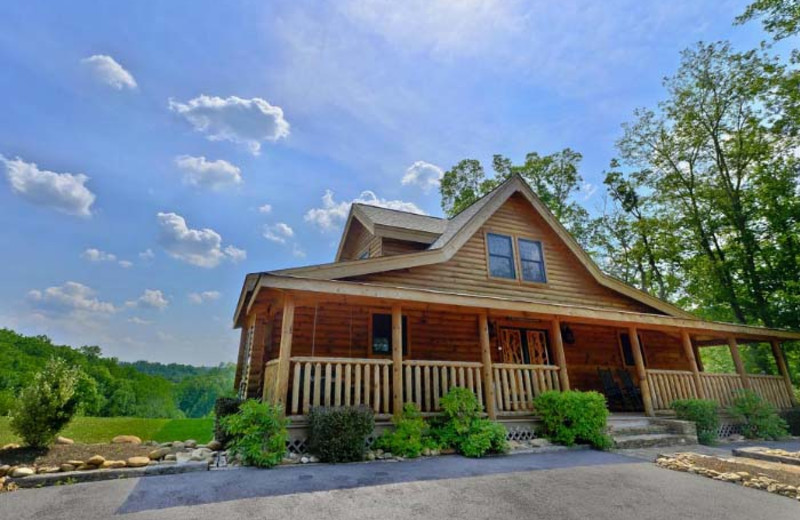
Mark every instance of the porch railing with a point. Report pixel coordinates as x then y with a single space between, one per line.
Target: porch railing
424 382
320 381
669 385
771 388
270 376
517 385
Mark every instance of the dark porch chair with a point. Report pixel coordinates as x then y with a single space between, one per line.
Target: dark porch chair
612 391
631 393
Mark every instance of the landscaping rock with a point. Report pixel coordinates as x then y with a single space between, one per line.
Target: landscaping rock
191 443
126 439
48 469
159 453
10 446
539 443
166 444
170 457
304 460
214 445
96 460
138 462
178 445
4 470
85 467
64 440
75 462
112 464
370 455
66 467
426 452
21 472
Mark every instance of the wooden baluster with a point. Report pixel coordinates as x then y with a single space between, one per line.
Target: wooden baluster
367 385
338 386
296 389
306 388
376 389
409 395
428 389
386 401
418 386
347 383
317 384
481 395
436 388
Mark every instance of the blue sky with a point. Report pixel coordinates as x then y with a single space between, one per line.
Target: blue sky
153 153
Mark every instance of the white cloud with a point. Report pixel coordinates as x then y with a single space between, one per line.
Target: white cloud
95 255
278 232
205 296
147 254
200 247
139 321
589 190
150 298
125 264
332 213
423 174
209 174
297 252
265 209
64 192
107 70
70 297
242 121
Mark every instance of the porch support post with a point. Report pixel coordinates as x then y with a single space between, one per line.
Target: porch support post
638 359
561 359
697 358
486 357
782 370
688 349
737 361
397 360
285 352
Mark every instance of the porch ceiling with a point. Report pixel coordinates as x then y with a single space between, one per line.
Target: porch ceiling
269 289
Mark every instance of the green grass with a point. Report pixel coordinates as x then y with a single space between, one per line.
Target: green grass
93 430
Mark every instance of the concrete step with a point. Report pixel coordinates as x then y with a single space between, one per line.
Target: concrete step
649 440
643 429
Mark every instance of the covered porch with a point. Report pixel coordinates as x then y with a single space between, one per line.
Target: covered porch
306 344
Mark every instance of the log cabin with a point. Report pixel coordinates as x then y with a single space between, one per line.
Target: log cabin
499 299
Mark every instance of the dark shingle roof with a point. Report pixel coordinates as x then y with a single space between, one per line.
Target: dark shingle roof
403 219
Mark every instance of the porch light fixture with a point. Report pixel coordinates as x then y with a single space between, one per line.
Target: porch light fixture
567 335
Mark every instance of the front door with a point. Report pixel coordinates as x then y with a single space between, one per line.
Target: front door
524 346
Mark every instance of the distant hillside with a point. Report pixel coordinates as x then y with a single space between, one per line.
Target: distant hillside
113 388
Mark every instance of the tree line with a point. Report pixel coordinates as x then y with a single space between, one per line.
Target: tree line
108 387
702 202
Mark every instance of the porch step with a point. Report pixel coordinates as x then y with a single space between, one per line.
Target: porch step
625 431
650 440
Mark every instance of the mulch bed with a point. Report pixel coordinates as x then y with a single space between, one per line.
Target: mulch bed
781 472
61 453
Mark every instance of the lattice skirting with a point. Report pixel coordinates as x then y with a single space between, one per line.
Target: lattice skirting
299 445
520 433
726 429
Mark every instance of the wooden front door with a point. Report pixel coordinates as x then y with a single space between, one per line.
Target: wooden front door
524 346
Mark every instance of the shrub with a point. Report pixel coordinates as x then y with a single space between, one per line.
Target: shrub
47 405
223 407
460 426
703 414
574 417
760 418
792 418
340 434
408 437
257 433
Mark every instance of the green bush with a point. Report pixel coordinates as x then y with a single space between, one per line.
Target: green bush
340 434
461 427
792 418
409 435
703 414
223 407
257 433
759 417
47 405
574 417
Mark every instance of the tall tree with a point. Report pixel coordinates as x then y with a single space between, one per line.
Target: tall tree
779 17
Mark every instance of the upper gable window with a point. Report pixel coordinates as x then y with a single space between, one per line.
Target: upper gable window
531 260
501 256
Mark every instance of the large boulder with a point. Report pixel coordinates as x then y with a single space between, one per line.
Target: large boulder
64 440
126 439
138 462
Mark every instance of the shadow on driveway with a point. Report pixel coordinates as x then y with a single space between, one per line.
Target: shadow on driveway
220 486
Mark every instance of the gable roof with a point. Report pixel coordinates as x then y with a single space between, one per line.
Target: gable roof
457 231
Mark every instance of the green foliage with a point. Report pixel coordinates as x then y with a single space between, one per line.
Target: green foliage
574 417
7 401
703 413
792 418
257 434
340 434
47 405
460 426
760 418
408 437
779 17
224 407
110 388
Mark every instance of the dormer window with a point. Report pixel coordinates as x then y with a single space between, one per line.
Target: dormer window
364 255
501 256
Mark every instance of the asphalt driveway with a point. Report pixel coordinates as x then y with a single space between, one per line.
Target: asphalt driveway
574 484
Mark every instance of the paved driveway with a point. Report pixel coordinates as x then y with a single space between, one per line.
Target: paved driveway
576 484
